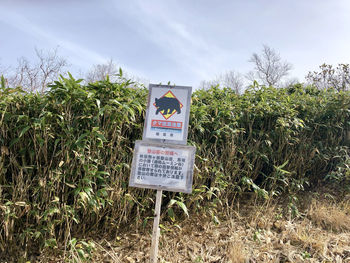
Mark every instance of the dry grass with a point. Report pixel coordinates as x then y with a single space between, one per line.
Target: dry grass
237 253
250 234
330 216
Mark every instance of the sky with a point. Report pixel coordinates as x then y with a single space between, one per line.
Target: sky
181 41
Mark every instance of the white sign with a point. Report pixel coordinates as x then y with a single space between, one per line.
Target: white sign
162 160
167 113
163 167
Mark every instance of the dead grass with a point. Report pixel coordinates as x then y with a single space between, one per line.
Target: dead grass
249 234
237 252
330 216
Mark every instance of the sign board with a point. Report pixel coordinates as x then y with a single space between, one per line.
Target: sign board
167 114
162 166
162 160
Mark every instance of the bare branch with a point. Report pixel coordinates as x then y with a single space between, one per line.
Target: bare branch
101 71
268 67
36 77
230 79
330 77
112 70
50 65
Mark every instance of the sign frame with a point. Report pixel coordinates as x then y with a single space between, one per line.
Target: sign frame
184 130
190 166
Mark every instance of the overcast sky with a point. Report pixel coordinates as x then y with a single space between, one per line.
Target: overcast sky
181 41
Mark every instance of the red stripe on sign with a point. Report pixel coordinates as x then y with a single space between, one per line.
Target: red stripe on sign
167 124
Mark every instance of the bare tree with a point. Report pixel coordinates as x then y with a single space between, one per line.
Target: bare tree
230 79
207 84
36 77
26 76
328 76
233 80
268 67
51 65
101 71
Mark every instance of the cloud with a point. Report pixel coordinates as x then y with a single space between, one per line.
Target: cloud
80 53
182 45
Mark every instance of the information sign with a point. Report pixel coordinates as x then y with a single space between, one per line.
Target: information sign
162 166
162 160
167 114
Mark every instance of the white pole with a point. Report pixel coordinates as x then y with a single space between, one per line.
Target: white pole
156 231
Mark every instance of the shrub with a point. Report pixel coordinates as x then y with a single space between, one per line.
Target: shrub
65 155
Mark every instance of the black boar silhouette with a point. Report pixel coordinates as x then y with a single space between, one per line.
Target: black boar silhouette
168 105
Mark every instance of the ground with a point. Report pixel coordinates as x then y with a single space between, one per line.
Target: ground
249 232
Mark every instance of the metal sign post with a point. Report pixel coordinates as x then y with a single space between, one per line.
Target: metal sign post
162 160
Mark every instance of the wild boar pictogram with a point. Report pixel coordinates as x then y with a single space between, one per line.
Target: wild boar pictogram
167 105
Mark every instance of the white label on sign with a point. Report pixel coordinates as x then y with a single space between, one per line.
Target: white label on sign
163 167
168 113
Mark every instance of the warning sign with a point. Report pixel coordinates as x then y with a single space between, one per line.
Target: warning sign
162 167
162 160
167 113
168 105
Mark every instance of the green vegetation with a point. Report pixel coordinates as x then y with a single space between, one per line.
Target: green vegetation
65 156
